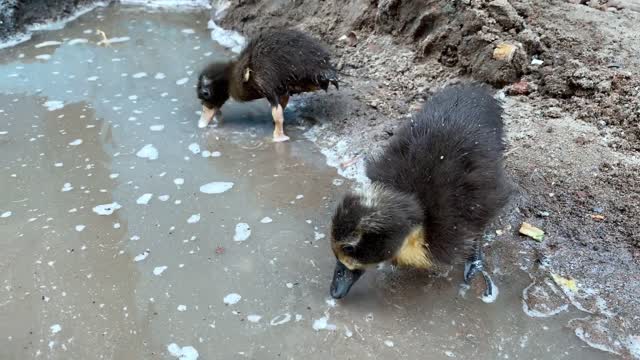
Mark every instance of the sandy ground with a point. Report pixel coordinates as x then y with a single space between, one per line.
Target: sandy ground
572 151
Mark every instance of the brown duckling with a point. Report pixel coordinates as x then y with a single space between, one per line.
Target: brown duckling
435 188
275 65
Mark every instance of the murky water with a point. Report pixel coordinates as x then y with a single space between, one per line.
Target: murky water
179 266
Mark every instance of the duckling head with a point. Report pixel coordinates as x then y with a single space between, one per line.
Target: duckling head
375 225
213 90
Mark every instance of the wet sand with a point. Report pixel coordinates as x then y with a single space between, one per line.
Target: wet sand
171 268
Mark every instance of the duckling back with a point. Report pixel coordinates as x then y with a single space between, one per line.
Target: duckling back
284 62
450 157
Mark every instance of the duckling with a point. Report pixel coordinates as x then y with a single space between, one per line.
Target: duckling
434 189
275 65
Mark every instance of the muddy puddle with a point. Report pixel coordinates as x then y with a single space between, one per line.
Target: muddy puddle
129 233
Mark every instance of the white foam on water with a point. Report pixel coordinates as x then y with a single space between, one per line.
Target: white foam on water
158 127
633 344
227 38
66 187
163 197
43 57
53 105
60 24
148 152
160 76
80 228
243 231
172 4
47 43
216 187
280 319
318 236
232 299
135 238
116 40
92 78
76 142
139 75
337 151
494 292
254 318
194 148
182 308
193 219
78 41
182 81
389 343
6 214
266 220
142 256
113 176
56 328
15 40
323 324
144 199
216 154
106 209
158 270
133 97
185 352
188 31
178 181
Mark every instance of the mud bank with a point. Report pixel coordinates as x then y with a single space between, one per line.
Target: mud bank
570 85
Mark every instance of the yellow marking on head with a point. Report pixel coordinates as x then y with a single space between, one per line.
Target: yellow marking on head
247 74
349 262
414 251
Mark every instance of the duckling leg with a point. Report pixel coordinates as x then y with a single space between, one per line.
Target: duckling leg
278 118
475 265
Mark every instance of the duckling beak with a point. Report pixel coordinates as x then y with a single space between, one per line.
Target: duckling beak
207 115
343 279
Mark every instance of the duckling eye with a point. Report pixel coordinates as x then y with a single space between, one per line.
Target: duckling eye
348 249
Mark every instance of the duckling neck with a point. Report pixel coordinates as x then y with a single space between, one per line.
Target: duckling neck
415 250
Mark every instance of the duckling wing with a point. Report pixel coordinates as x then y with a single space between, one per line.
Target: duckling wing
288 61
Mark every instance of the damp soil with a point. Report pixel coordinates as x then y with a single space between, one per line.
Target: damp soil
160 276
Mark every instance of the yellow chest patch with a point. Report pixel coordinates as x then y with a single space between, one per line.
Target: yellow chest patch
414 251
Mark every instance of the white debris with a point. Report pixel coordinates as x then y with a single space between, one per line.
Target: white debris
178 181
182 81
323 324
158 270
144 199
183 353
280 319
92 78
318 236
388 343
44 57
193 219
163 197
232 299
243 231
6 214
216 187
139 75
142 256
106 209
160 76
80 228
55 328
76 142
194 148
66 187
77 41
156 127
47 43
537 62
254 318
188 31
148 152
266 220
182 308
227 38
53 105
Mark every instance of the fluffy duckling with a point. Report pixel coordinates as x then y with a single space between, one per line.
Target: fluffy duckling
275 65
435 187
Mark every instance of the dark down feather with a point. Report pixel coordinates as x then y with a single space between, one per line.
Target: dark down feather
450 157
286 62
